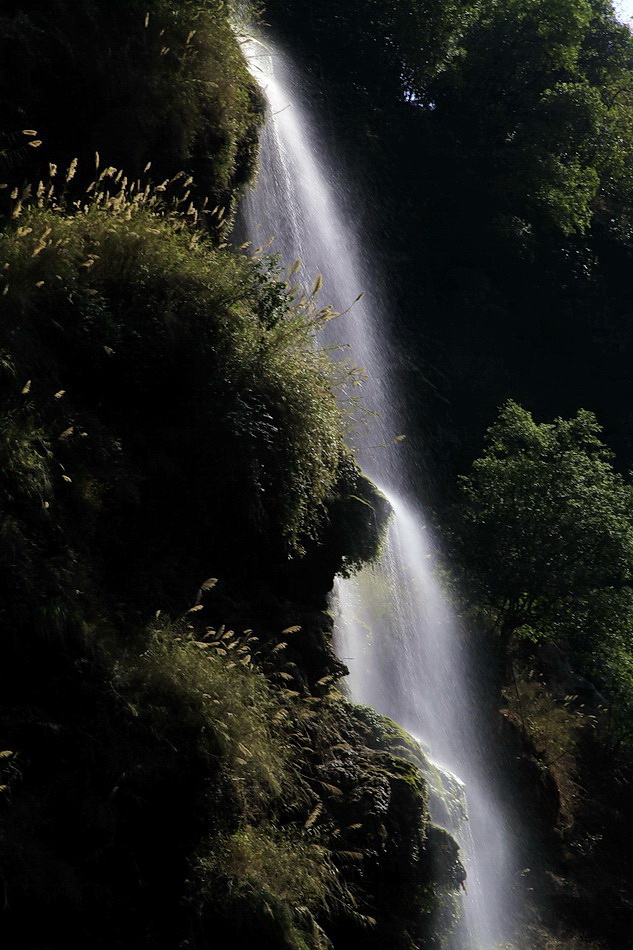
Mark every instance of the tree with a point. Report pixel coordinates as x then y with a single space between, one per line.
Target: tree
540 102
385 51
546 532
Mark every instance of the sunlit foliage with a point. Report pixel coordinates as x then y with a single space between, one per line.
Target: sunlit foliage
546 533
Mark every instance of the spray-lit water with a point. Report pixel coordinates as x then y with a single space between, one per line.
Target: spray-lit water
408 658
406 653
297 203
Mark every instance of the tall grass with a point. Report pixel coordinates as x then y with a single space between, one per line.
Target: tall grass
554 728
134 80
149 360
213 693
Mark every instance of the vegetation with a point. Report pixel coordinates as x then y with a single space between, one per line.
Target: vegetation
498 160
216 805
554 727
547 498
506 156
166 418
543 534
166 415
552 117
117 316
138 81
153 382
546 531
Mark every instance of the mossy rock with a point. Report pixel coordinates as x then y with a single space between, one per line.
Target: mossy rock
352 534
358 515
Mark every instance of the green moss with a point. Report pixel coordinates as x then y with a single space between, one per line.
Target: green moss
389 735
358 514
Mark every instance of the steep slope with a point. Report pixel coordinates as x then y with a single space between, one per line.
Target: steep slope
177 767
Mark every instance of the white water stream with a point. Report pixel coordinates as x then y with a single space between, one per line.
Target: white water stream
406 652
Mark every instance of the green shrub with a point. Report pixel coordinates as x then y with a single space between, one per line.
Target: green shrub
134 80
173 384
208 690
554 728
263 869
274 883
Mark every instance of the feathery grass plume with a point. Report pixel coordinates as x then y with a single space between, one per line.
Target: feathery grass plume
171 80
281 881
317 285
231 709
72 170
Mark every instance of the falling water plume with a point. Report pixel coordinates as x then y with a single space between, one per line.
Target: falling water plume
407 654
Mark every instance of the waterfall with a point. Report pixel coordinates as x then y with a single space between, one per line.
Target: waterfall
408 656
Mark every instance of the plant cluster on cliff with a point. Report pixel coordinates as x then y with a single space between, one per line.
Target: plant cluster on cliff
171 444
136 81
543 534
178 796
149 375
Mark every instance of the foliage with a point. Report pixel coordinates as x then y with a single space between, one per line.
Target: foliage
397 48
9 773
14 147
164 411
275 884
502 190
159 80
120 316
165 407
207 688
547 525
280 819
554 729
545 117
545 531
530 100
314 807
265 875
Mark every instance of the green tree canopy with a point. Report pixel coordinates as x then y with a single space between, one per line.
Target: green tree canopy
378 52
540 102
546 529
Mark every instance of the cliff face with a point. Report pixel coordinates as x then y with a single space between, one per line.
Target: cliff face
185 798
178 767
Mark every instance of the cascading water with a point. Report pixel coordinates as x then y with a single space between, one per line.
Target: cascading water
408 658
406 653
